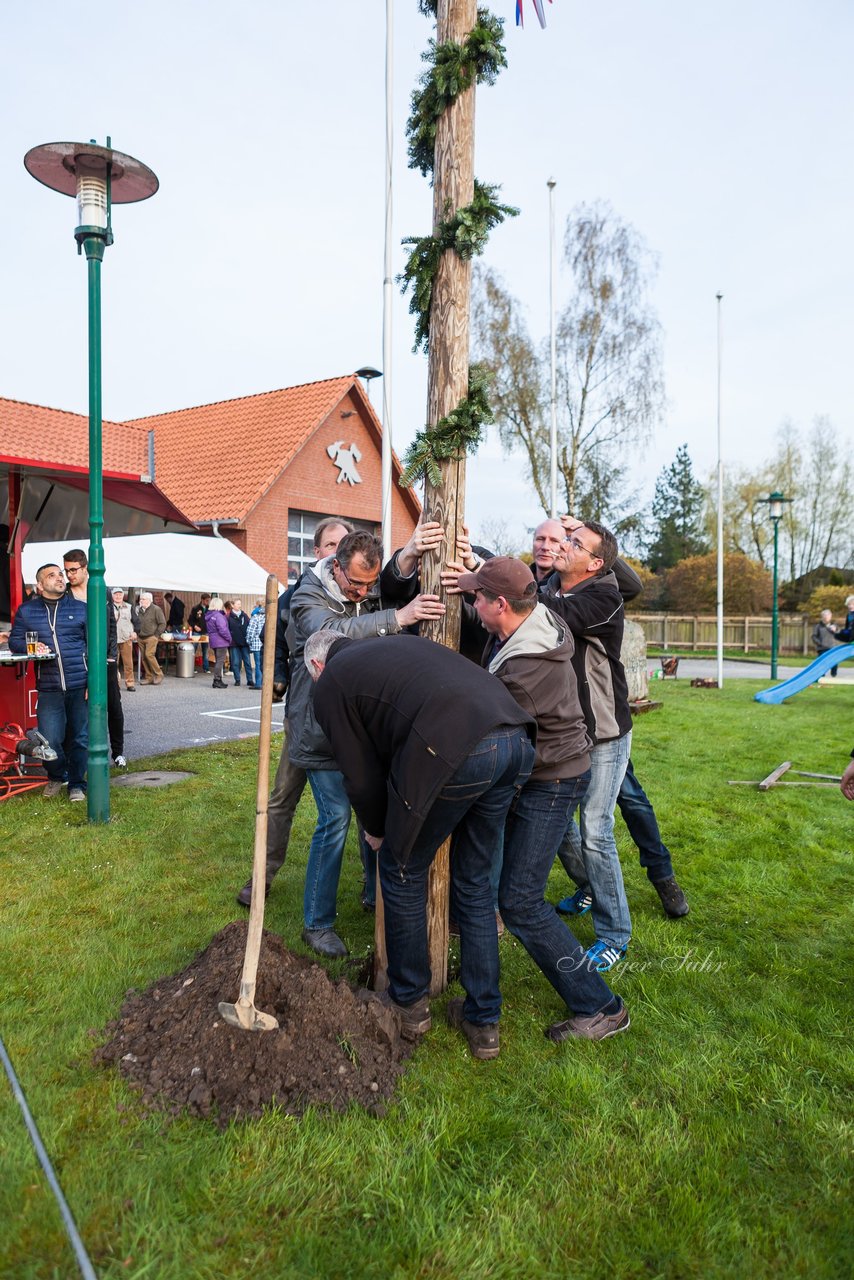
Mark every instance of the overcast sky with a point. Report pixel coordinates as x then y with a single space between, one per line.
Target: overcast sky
721 131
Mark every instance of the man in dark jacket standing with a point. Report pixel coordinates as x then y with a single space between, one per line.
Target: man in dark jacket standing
238 621
338 594
196 623
530 651
62 714
427 744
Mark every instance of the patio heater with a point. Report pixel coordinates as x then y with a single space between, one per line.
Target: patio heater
775 503
98 177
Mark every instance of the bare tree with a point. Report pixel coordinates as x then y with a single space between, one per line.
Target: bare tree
610 385
816 471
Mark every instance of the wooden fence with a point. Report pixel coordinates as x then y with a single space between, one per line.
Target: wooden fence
697 632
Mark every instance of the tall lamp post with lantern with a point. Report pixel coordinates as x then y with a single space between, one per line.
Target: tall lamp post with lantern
775 502
98 177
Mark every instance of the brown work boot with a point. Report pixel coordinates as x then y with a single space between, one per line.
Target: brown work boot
415 1019
482 1037
597 1026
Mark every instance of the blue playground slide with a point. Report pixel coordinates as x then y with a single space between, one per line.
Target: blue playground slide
806 675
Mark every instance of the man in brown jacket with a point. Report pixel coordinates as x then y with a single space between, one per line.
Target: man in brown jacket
150 625
530 650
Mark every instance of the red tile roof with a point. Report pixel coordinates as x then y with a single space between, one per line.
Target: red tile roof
215 461
60 440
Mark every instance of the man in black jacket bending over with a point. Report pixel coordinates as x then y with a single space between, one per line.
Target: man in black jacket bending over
427 744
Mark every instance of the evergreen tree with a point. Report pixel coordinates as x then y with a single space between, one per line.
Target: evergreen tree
677 515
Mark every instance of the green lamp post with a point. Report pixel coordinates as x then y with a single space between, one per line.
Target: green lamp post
98 177
775 503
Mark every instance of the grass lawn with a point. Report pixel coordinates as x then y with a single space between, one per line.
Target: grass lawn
711 1140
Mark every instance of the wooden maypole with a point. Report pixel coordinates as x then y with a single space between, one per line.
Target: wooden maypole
467 50
447 385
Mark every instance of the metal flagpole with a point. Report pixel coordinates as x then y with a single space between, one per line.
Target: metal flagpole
720 593
387 287
553 436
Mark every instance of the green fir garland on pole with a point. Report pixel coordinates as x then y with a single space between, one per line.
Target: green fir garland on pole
453 68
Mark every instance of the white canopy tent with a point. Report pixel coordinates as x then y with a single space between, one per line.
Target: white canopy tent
179 562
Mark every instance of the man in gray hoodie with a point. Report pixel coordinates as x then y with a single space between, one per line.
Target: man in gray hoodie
530 650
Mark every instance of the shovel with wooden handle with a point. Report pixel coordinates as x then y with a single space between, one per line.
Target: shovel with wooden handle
243 1013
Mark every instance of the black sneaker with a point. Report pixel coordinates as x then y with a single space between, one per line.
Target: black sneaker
672 898
482 1037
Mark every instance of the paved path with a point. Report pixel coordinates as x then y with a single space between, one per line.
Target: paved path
189 713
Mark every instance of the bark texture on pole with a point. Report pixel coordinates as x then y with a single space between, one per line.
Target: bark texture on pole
447 385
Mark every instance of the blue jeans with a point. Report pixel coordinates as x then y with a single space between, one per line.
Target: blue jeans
63 718
473 803
204 651
239 653
257 656
594 855
327 847
639 817
535 827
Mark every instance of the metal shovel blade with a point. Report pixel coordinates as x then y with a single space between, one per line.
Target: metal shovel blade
246 1017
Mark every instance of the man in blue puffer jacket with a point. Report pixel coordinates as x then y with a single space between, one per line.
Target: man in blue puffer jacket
60 621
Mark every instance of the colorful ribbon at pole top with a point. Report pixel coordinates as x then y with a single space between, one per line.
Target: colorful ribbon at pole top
538 9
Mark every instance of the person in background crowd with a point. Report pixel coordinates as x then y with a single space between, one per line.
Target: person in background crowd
846 631
77 572
238 622
219 638
150 625
196 622
125 636
825 635
255 640
176 607
61 711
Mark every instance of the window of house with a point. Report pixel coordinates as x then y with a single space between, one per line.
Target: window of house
301 527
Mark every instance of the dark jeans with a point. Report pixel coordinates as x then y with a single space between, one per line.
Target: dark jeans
63 718
639 817
240 654
535 827
115 714
474 803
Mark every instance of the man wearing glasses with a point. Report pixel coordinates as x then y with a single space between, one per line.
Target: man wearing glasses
340 593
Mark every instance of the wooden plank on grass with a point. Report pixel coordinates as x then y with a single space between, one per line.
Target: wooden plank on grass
772 778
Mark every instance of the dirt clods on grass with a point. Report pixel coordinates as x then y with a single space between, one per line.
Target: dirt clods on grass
333 1046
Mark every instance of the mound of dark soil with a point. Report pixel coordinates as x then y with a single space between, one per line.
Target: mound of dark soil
333 1046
